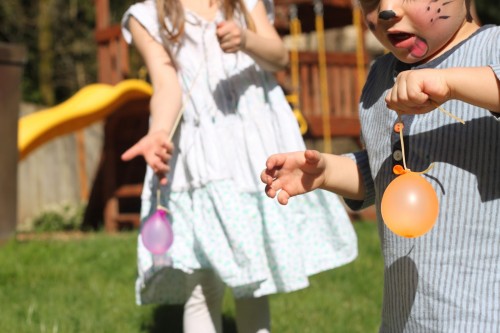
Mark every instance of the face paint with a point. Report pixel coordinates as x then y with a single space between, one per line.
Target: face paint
386 15
416 30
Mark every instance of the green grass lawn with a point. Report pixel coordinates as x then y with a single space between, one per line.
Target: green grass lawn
87 285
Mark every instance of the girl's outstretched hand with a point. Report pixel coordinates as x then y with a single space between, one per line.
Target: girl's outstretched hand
290 174
156 150
231 36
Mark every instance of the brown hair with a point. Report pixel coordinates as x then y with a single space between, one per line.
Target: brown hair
173 10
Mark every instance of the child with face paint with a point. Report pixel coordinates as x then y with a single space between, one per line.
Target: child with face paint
210 64
447 280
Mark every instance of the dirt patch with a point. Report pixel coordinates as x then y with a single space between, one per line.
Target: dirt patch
56 235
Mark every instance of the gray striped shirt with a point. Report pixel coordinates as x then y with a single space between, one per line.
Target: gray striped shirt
447 280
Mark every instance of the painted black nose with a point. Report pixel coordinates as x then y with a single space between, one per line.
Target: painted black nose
386 15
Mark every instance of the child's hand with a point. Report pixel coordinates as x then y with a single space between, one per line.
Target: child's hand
231 36
418 91
290 174
156 150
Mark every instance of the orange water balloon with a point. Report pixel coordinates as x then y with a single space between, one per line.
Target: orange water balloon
409 205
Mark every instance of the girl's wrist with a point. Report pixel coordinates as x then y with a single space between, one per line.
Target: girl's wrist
157 130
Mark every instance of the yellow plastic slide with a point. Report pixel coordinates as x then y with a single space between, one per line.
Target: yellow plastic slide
92 103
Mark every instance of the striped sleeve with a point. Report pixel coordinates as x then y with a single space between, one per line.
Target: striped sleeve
361 159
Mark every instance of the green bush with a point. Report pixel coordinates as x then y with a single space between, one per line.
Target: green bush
64 218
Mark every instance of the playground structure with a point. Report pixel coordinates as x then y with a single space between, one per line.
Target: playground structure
91 104
323 87
325 83
125 108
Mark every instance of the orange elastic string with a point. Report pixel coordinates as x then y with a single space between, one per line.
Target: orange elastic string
398 169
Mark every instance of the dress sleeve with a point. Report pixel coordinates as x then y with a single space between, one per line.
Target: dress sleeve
269 4
145 14
361 159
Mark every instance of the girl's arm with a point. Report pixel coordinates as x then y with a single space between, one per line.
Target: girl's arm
264 45
167 94
165 103
420 91
290 174
344 177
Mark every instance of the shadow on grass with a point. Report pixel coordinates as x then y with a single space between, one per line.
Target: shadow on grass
168 318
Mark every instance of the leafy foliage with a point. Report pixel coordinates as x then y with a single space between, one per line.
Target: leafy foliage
73 45
64 218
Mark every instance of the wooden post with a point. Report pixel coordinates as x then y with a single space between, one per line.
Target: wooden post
360 47
12 60
102 23
112 51
323 76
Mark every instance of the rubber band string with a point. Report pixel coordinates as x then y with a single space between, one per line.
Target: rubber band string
405 169
176 124
409 205
449 114
156 233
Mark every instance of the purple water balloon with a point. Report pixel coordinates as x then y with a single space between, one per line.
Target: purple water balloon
156 233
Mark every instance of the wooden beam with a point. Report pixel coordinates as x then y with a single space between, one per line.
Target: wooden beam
101 14
104 35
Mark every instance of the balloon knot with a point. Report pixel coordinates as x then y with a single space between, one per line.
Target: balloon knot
160 207
400 170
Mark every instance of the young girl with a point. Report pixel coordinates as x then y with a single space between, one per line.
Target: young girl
210 60
447 280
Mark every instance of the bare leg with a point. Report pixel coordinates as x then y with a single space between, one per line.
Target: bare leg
252 315
202 311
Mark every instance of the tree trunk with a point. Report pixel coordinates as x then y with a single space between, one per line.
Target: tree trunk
46 51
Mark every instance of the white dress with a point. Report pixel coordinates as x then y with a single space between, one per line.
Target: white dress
235 117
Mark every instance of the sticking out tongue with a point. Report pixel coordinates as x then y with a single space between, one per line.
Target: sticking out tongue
415 45
419 48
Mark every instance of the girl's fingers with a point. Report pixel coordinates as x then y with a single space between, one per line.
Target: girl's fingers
270 192
163 156
267 176
283 197
162 179
131 153
274 161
